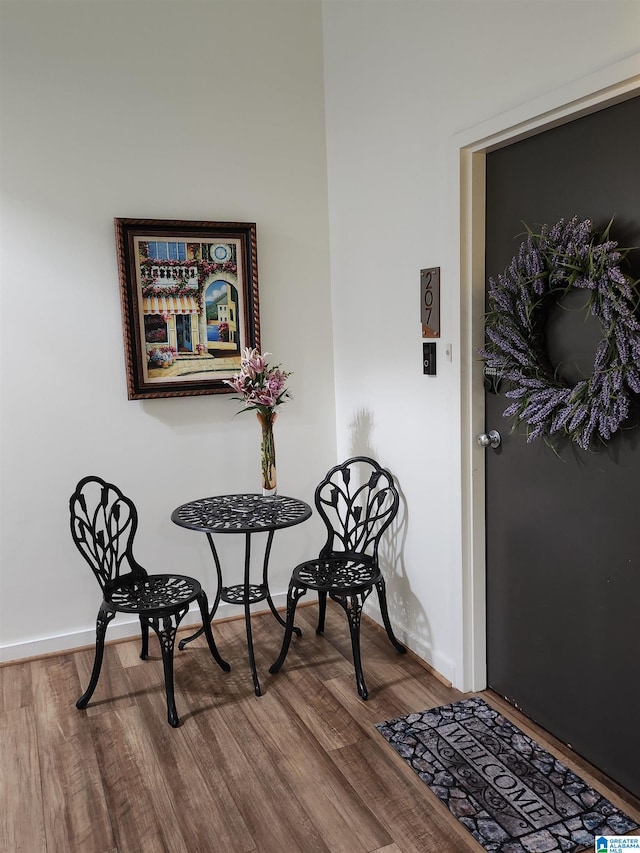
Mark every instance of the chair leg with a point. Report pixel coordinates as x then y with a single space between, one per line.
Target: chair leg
206 624
322 609
144 628
382 598
294 593
104 617
166 631
352 606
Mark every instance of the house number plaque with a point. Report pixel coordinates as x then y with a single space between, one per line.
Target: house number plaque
430 302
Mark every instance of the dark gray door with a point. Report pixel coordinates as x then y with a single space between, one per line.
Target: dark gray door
563 529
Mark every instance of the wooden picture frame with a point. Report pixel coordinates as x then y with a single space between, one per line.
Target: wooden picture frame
189 298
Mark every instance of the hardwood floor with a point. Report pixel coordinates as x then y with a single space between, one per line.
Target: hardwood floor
299 769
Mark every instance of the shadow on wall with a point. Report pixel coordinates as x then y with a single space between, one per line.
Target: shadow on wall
408 617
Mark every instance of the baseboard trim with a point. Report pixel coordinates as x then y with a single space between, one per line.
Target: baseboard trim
122 630
414 655
442 667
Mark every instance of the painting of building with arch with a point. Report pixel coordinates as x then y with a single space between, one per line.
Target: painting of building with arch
190 303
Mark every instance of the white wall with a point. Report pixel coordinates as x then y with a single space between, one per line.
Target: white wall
85 88
402 79
198 110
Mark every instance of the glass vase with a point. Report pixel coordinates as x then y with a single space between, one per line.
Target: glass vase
268 453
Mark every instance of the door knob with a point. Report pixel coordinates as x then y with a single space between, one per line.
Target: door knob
490 439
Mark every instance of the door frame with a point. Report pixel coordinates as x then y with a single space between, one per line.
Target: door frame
608 86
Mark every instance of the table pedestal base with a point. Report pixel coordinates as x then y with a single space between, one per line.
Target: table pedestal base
247 513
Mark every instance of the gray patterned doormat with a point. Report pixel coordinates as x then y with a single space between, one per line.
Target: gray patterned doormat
510 793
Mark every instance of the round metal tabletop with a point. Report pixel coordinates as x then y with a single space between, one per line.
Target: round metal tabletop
244 513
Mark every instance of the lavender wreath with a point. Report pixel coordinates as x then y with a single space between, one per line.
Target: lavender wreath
568 255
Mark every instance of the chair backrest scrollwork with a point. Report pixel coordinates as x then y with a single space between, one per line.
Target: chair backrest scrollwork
103 526
357 500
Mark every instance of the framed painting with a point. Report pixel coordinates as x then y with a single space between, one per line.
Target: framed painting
189 297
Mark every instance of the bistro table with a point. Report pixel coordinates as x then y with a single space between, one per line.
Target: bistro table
248 514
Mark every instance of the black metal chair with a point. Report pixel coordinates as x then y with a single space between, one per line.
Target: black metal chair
357 501
103 526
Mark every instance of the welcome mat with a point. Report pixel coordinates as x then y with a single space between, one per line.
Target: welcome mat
510 793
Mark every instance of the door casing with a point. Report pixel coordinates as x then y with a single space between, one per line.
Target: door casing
607 87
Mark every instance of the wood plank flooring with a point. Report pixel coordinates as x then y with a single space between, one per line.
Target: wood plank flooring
299 769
